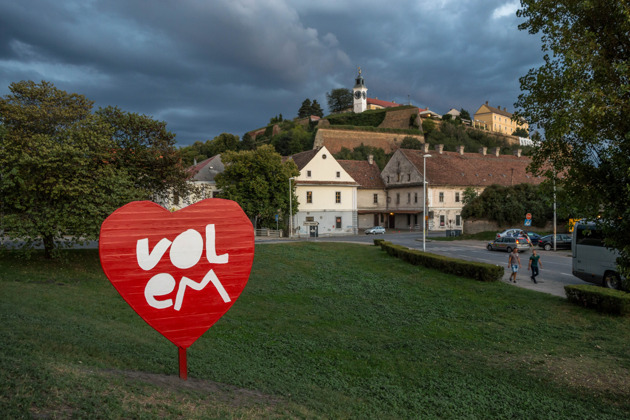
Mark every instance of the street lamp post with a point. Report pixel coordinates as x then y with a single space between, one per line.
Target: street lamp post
290 210
424 202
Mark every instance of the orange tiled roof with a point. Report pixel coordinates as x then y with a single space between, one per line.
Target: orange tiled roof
472 169
384 104
366 175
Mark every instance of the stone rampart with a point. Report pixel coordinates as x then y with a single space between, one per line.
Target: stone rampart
334 140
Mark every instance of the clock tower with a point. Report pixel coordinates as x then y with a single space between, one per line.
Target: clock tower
359 94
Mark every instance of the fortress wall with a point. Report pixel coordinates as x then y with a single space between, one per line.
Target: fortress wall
334 140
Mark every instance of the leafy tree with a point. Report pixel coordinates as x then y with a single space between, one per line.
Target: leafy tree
316 109
305 109
362 153
59 177
447 117
469 195
275 120
464 115
146 150
428 126
411 143
580 97
247 143
520 132
292 141
259 181
509 205
339 100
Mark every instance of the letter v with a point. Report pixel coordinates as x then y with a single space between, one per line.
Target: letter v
147 260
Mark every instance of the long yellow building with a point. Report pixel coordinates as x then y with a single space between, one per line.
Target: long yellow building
498 120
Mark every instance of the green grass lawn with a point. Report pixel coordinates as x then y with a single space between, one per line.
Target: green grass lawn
322 330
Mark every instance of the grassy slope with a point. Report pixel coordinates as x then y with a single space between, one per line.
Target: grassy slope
321 330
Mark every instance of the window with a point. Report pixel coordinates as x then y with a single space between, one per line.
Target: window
408 177
309 196
310 218
457 197
308 174
388 179
397 198
337 197
408 198
441 199
442 220
338 174
458 220
397 177
415 197
338 222
375 198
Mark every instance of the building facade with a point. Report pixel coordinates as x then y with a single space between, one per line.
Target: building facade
498 120
327 196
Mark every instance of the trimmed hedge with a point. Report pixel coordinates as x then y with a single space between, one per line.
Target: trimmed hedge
604 300
475 270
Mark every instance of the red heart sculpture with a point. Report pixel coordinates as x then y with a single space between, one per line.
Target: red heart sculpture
179 271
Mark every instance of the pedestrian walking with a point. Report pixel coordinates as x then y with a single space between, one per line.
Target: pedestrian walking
514 262
534 265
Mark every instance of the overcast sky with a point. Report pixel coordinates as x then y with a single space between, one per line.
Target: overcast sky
211 66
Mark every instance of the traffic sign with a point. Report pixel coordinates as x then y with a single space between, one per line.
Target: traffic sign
528 216
528 222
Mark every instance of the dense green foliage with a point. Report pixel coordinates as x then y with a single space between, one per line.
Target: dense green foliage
509 205
474 270
452 133
145 149
199 151
580 97
321 330
258 180
604 300
309 108
371 118
339 100
63 169
362 152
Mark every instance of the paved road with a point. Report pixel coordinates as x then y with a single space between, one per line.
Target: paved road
555 274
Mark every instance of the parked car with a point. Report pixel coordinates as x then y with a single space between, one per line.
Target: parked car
376 230
508 243
534 237
563 241
515 233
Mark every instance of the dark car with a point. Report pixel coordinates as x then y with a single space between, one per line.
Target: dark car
534 237
563 241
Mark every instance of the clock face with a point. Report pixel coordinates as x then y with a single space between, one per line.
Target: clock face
363 93
357 94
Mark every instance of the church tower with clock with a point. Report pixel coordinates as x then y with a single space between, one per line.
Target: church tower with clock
359 94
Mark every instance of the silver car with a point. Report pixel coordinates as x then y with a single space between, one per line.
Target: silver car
508 243
376 230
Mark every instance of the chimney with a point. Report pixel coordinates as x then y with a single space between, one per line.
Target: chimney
496 151
486 102
460 149
483 150
499 107
371 159
439 148
425 148
518 152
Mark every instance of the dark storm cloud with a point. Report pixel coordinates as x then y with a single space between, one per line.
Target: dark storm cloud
207 67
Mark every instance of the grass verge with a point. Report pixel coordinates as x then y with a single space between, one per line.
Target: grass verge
322 330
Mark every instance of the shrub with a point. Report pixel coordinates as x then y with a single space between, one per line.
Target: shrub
474 270
604 300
